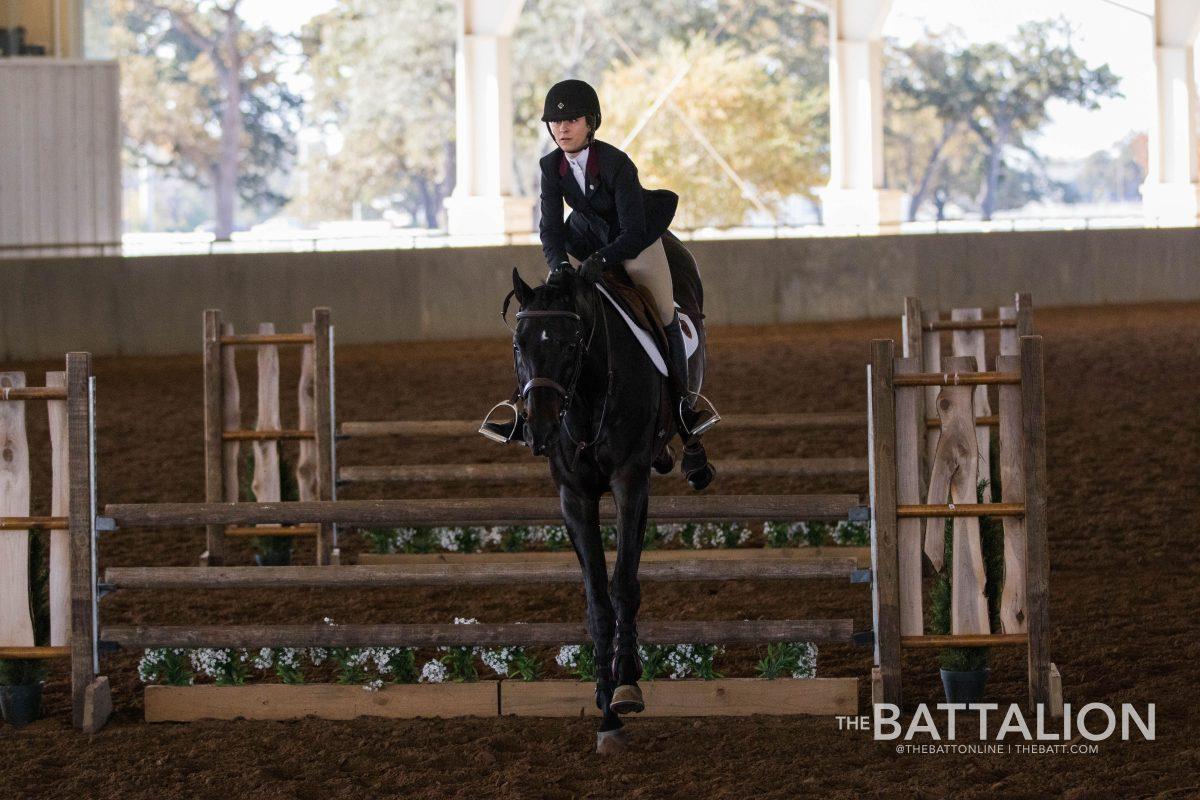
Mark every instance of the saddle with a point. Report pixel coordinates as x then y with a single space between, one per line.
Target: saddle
637 305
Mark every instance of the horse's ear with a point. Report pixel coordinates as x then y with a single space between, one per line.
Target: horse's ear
524 293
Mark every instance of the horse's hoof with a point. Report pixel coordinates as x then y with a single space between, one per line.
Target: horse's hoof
627 699
701 478
665 461
611 742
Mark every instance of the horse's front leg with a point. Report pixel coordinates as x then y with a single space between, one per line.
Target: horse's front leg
581 512
631 492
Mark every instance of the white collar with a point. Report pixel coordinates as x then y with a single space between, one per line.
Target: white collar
579 159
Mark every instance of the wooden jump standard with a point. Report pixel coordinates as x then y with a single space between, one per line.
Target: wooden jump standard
899 546
70 399
223 433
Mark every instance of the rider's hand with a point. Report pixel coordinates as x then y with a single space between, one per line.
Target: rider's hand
592 268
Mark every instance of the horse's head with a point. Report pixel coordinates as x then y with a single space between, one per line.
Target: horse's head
548 347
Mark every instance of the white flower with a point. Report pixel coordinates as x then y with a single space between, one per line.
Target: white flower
491 535
317 655
465 621
373 686
264 659
433 672
497 660
568 656
806 661
447 538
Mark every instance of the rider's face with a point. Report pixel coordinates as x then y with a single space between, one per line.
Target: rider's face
570 134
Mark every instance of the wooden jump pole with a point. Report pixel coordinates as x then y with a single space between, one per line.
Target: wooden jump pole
431 473
467 574
454 428
490 511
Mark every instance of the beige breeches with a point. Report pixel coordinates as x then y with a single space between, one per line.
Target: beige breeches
649 269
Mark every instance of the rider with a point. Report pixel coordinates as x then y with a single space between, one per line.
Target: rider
613 220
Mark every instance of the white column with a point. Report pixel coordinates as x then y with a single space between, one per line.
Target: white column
1171 193
483 200
855 195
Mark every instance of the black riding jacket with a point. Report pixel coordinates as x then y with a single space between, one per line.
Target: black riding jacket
615 217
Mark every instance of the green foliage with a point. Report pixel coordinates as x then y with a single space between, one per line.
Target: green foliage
789 660
580 660
169 666
654 660
460 662
514 538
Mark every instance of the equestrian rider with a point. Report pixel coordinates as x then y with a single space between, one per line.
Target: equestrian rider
613 220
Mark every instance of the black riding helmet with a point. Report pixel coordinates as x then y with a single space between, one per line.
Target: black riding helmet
570 99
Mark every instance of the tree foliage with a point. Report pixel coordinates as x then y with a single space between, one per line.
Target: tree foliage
202 98
769 134
998 93
383 80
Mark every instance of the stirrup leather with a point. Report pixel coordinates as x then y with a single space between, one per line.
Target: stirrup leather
495 437
706 424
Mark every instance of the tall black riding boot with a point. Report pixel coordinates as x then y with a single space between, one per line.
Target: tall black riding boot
693 422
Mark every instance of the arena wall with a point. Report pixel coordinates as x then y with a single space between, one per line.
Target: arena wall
152 305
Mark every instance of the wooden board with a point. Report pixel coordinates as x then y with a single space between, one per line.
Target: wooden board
861 556
510 471
727 697
1013 614
489 511
971 344
465 574
266 482
954 472
909 429
324 701
306 461
466 428
16 623
60 504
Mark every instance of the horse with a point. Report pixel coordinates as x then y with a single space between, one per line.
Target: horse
592 401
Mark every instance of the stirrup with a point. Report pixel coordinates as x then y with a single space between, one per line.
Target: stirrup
706 424
493 435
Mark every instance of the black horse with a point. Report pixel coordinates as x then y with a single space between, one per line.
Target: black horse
593 401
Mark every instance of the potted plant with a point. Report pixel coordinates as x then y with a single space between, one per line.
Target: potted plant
964 670
21 679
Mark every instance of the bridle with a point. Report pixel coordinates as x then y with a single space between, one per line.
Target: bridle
567 394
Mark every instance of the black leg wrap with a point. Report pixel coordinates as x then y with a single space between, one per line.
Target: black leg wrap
696 467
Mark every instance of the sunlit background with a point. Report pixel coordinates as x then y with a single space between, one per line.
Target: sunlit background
1013 115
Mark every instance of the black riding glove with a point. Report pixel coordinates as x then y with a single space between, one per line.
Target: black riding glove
592 268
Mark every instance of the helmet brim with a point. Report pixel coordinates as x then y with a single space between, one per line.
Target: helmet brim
559 116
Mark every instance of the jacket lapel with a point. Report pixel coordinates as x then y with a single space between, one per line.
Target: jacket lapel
592 172
568 184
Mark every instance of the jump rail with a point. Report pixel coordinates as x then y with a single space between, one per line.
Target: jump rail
736 468
492 511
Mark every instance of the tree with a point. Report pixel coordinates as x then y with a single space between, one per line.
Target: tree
770 134
999 92
588 40
202 98
383 80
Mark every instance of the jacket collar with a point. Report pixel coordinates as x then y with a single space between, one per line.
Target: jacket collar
593 163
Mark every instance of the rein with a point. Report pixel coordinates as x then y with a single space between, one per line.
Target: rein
568 395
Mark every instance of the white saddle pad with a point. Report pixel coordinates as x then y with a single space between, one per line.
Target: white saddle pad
690 340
